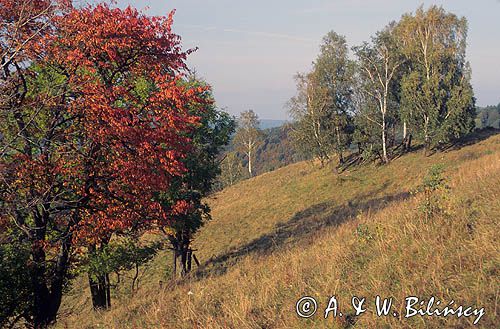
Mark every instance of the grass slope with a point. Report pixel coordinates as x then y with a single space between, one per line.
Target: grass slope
302 230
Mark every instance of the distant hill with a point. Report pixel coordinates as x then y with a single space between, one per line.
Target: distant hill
268 123
275 151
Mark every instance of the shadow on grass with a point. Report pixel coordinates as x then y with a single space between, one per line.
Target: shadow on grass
303 225
477 136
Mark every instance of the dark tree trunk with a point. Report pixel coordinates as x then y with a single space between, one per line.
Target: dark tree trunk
393 135
181 249
408 143
184 260
134 279
94 291
47 300
196 260
100 288
100 292
42 316
339 146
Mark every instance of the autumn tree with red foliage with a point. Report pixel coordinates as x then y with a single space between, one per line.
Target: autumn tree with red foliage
102 127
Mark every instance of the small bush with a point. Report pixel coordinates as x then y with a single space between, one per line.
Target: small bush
435 190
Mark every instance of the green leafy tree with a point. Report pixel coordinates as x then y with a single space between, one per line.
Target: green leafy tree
335 72
378 64
248 137
308 109
208 137
322 106
437 97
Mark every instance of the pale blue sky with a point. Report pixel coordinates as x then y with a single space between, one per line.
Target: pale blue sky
249 51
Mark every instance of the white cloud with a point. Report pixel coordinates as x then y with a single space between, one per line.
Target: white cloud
253 33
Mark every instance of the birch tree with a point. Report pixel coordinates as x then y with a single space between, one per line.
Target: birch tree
309 111
335 73
436 94
322 106
248 136
378 63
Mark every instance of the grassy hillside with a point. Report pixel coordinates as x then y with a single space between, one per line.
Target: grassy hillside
303 230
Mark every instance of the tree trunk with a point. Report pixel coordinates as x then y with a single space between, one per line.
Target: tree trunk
184 261
134 279
94 291
426 136
42 316
408 143
196 260
426 144
100 291
108 291
100 288
384 142
339 146
47 300
250 163
405 141
189 257
393 135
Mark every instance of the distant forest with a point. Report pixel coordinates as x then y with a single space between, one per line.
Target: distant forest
488 116
275 151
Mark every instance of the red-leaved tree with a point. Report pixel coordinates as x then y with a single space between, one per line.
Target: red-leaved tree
105 128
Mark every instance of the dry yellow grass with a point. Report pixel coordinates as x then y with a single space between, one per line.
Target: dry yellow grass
306 231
